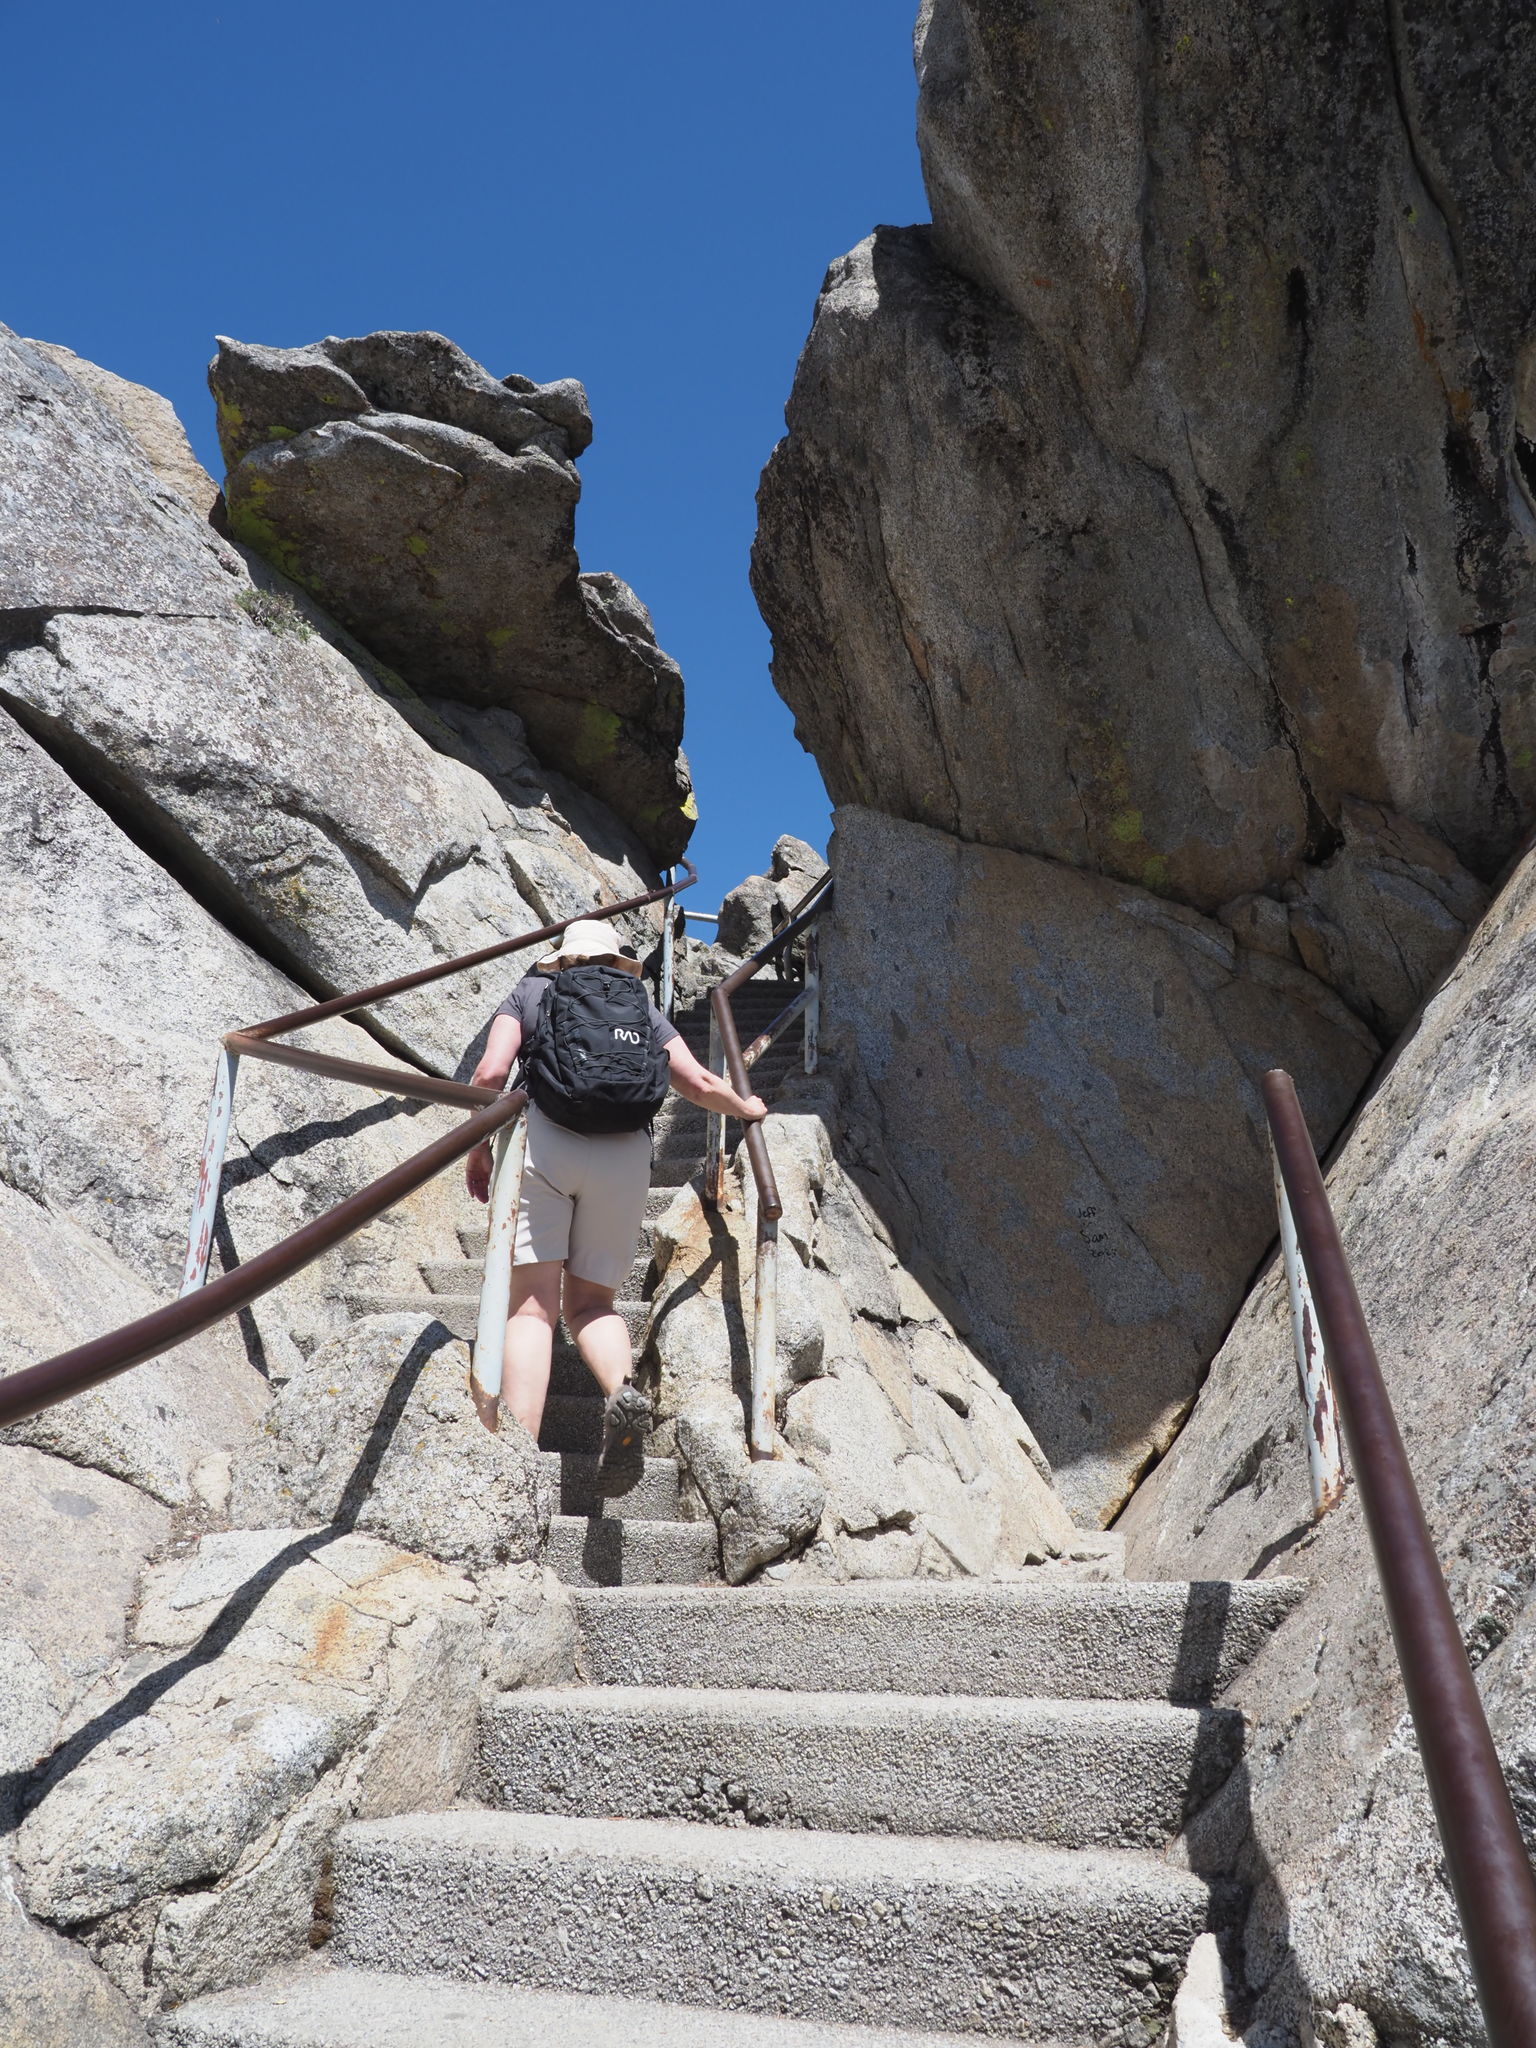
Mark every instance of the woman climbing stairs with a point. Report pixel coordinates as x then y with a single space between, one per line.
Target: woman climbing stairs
640 1538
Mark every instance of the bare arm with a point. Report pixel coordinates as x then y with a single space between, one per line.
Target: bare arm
494 1071
695 1083
500 1055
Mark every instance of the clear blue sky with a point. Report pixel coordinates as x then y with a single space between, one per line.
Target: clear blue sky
642 196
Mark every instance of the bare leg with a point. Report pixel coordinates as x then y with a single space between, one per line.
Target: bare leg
601 1334
532 1312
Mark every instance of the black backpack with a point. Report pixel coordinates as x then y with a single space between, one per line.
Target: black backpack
591 1062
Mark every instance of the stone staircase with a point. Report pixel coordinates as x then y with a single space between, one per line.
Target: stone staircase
867 1816
641 1538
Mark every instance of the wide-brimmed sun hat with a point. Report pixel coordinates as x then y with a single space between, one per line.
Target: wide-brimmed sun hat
589 938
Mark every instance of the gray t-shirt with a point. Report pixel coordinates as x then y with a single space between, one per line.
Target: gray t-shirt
525 999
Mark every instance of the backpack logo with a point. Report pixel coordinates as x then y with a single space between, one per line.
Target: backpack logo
629 1037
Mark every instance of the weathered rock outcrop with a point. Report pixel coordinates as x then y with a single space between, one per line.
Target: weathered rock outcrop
752 912
279 1685
901 1455
339 823
119 986
154 1428
1433 1193
431 509
1163 512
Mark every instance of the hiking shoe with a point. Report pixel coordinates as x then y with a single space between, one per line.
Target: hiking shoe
627 1420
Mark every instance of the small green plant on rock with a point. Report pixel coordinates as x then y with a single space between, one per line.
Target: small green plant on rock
275 610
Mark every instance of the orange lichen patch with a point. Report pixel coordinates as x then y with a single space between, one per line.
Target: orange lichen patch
332 1641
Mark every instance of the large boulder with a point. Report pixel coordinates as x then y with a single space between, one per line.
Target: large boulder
343 826
752 912
377 1431
1433 1192
280 1685
1150 522
431 509
1063 1073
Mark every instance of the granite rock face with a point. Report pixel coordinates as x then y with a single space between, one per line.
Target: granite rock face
51 1993
75 1542
150 422
1148 520
431 509
216 804
86 522
900 1456
1063 1074
1162 515
1433 1195
376 1431
119 986
153 1427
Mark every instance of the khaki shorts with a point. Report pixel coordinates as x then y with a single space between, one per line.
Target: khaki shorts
583 1200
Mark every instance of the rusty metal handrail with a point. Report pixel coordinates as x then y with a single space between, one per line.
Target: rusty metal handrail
1489 1871
202 1303
725 1042
810 907
72 1372
343 1006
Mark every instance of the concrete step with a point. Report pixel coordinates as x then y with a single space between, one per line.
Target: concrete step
609 1551
1028 1640
319 2006
673 1173
572 1422
461 1312
1072 1773
687 1145
655 1497
917 1931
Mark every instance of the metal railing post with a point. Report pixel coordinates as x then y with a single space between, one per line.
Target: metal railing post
668 941
1485 1860
812 1025
765 1338
210 1173
714 1142
496 1285
1325 1462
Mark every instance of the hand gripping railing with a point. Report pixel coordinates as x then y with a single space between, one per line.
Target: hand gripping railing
725 1043
1489 1871
203 1303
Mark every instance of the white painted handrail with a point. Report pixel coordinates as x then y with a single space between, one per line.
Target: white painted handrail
496 1287
210 1173
1325 1462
